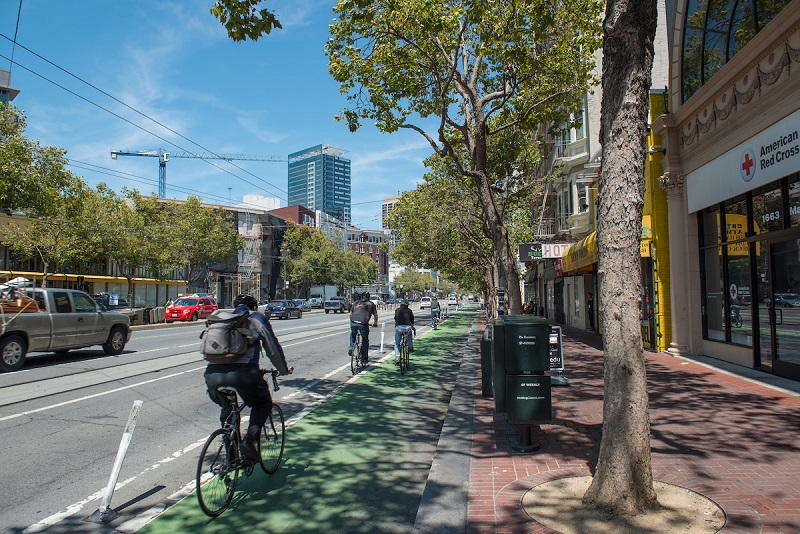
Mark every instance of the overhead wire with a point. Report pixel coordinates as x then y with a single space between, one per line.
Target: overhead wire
11 60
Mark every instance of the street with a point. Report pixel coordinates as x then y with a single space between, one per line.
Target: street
62 418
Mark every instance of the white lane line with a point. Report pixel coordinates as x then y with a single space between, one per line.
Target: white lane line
80 399
137 522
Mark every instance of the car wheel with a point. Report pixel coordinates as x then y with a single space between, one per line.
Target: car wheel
194 317
326 311
300 315
116 341
12 353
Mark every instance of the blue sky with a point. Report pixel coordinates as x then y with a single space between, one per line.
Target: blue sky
173 62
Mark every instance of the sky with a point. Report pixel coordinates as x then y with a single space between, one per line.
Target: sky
137 75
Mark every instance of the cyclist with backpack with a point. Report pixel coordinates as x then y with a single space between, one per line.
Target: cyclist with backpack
239 367
360 313
404 323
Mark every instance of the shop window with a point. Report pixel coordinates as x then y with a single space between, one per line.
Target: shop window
714 309
736 221
739 317
768 213
794 203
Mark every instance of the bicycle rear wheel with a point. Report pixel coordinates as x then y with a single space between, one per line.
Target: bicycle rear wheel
216 477
406 357
272 440
403 358
355 358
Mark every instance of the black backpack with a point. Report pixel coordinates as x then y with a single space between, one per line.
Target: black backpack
227 337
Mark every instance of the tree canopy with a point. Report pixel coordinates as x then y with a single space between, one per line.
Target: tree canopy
462 72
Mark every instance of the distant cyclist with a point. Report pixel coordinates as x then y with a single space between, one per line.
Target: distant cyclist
245 375
436 311
360 313
403 323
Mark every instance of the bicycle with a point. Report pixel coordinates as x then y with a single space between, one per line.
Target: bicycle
220 459
355 355
437 320
736 317
404 355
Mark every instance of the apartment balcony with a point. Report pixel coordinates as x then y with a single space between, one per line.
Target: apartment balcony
545 229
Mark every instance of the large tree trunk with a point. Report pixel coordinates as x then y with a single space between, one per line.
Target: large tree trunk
623 480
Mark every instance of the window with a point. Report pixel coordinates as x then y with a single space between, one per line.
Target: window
62 302
83 303
768 213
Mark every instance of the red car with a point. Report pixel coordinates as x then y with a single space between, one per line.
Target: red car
190 309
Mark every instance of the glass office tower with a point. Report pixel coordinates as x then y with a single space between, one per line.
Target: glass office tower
319 179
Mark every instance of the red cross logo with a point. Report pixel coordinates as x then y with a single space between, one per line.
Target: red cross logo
748 165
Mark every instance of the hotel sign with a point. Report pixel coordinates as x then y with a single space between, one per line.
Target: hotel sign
542 251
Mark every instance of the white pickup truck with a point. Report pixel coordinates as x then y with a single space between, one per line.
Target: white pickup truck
67 319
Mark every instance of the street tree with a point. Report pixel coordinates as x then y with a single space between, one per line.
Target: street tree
48 233
352 269
413 281
33 178
199 235
310 255
460 73
623 480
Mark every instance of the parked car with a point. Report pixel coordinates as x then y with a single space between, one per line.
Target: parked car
190 309
787 300
315 302
283 309
336 305
302 304
106 302
59 321
424 302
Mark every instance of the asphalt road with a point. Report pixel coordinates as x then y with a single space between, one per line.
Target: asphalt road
62 418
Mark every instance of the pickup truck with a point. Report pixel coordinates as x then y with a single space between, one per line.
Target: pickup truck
66 319
336 305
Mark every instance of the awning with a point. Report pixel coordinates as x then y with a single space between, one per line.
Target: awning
581 254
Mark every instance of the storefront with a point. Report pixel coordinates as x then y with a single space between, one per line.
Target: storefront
731 167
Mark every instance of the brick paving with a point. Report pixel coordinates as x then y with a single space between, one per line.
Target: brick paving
728 438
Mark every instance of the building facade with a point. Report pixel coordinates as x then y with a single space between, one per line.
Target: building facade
297 213
367 242
731 174
319 179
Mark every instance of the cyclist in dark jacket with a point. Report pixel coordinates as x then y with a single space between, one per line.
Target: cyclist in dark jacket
245 375
360 314
403 322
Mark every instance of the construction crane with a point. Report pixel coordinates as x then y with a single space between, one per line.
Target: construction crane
164 156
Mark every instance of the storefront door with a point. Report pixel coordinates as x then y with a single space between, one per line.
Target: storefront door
779 308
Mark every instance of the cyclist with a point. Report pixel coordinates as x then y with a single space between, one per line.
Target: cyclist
360 313
436 311
404 322
245 375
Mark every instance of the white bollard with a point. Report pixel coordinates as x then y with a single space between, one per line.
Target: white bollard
383 332
105 514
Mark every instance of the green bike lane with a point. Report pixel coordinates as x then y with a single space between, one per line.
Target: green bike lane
358 462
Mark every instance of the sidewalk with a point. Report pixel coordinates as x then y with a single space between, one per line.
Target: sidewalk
727 432
427 453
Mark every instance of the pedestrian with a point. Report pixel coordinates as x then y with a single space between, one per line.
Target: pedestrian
590 311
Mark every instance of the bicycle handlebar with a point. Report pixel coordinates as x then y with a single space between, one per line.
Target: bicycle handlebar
275 374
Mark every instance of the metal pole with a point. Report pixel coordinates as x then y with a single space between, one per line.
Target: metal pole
383 329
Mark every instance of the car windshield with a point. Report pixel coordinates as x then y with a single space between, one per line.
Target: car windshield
186 302
279 303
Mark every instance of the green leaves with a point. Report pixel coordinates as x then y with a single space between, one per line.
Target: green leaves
243 20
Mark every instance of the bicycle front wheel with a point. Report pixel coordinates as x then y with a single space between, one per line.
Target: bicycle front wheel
272 440
216 476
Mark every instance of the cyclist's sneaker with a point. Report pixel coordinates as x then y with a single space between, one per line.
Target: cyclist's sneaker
364 361
397 362
350 351
249 451
410 350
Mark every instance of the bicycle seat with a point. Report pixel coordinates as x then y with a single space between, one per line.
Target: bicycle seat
227 390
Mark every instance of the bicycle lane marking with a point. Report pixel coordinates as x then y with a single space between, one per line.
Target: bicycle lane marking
78 506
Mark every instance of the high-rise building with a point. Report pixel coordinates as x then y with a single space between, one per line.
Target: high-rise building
319 179
386 207
7 93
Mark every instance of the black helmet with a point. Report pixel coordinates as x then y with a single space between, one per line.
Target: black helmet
403 302
245 300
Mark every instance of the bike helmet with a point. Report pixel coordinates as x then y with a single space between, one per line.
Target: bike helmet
404 302
246 300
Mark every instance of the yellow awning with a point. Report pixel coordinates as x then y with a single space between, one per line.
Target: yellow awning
581 254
